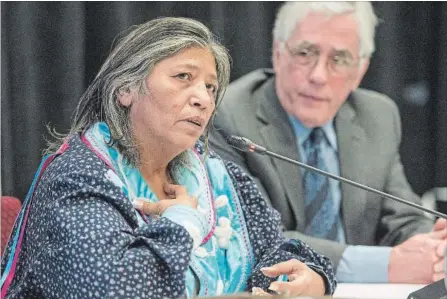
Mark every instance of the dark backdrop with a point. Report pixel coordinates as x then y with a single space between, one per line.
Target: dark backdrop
51 51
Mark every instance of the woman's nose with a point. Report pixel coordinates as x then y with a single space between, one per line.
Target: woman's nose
201 97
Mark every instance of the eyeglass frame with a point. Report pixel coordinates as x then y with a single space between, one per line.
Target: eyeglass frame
294 54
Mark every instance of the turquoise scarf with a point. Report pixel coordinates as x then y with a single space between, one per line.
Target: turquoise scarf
223 260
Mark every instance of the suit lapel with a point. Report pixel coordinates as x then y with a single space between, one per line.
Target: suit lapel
351 142
278 136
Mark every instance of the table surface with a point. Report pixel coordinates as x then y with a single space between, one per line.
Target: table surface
349 291
375 290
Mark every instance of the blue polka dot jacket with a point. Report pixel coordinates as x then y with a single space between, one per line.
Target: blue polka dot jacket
84 239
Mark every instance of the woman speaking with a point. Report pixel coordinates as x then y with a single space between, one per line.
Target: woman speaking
132 203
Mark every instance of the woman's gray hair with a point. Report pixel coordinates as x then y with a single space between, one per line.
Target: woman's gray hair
128 66
291 13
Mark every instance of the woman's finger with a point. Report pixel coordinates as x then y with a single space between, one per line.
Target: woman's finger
298 284
287 267
285 288
174 191
148 208
259 292
170 195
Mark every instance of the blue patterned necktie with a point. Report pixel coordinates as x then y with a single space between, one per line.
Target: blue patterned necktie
321 211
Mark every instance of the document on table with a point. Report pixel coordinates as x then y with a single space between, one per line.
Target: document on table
375 290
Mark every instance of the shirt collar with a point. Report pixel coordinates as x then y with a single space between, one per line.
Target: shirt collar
303 132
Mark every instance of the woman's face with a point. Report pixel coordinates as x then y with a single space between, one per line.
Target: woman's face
179 101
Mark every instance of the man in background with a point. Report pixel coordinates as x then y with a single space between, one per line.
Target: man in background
309 108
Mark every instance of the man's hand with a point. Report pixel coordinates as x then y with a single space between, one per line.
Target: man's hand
440 225
440 231
177 195
420 259
302 279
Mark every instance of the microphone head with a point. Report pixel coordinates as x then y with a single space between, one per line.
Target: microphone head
240 143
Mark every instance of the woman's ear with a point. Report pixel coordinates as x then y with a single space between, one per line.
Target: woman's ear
125 96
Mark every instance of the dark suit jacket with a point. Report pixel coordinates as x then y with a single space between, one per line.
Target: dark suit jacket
368 131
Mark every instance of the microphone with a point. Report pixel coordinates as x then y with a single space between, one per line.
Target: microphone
246 145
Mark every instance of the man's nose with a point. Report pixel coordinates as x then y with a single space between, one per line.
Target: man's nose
319 72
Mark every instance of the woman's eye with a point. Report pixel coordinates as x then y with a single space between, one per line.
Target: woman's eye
183 76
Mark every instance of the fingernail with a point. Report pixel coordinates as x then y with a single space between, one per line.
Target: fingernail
266 269
137 204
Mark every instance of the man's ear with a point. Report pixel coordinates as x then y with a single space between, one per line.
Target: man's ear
125 96
361 73
276 52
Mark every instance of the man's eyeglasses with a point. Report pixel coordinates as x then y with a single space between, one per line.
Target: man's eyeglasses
340 61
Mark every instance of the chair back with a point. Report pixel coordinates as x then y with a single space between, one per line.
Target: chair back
10 209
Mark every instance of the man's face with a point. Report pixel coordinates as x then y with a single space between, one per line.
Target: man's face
318 67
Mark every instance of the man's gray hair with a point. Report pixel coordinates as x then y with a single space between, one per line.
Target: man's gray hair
128 66
291 13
